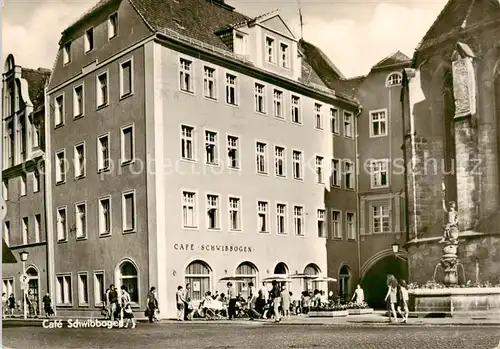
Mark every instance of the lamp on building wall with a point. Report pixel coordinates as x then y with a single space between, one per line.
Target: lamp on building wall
395 248
174 273
24 281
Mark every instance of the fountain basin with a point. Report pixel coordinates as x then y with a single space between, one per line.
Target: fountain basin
454 301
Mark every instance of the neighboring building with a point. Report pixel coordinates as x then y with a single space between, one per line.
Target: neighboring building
451 126
201 147
23 179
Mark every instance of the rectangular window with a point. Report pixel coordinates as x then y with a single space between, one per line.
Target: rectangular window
261 154
128 211
78 101
335 173
284 55
296 117
11 142
336 225
350 226
80 160
23 139
38 227
234 214
103 153
349 174
36 181
102 90
23 184
319 170
62 234
113 25
6 232
105 216
233 152
378 123
189 209
231 89
278 104
187 142
83 289
260 98
60 167
59 111
213 209
37 135
298 220
25 230
89 40
321 223
270 50
281 218
211 148
378 174
348 126
67 53
8 286
380 219
186 83
63 295
209 80
127 144
98 288
297 164
279 161
239 44
263 217
318 117
81 220
126 78
5 189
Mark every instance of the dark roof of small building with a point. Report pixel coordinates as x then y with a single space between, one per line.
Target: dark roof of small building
393 59
36 78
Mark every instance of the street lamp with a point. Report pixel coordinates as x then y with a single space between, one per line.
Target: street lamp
24 257
395 248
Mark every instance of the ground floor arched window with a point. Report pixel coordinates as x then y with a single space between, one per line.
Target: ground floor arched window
128 276
344 281
198 275
248 272
309 283
281 268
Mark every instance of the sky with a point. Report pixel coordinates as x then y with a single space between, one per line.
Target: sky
354 34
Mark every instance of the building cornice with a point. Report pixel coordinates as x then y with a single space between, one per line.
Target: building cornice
26 166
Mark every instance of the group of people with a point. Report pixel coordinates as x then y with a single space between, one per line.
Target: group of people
118 307
397 299
9 305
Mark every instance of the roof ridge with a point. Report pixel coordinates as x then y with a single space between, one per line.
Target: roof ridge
97 5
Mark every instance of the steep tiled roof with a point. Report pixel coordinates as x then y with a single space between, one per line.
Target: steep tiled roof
395 58
319 61
353 84
36 83
99 5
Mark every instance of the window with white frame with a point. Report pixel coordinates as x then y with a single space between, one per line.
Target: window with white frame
233 152
380 218
37 135
239 46
394 79
5 189
189 209
378 123
89 40
24 185
10 143
103 153
8 286
213 211
297 164
263 216
60 167
209 83
234 214
105 216
102 90
281 218
128 211
81 220
38 228
22 132
186 78
99 288
335 173
83 289
336 224
231 97
261 157
211 145
67 53
284 55
278 104
298 220
348 125
127 144
62 233
270 50
348 174
350 226
187 142
321 223
334 121
59 110
296 117
63 291
318 116
6 232
25 230
78 102
319 169
260 98
126 78
279 161
80 161
113 25
378 173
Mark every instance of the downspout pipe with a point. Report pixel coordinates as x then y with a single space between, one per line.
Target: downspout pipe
358 209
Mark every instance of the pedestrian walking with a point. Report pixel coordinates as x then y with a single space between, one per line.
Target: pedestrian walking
391 297
188 307
403 301
179 298
112 300
12 304
152 302
276 298
126 312
231 296
285 301
47 305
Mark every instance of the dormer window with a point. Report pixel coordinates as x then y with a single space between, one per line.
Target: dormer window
89 40
270 50
67 53
239 44
113 26
394 79
284 55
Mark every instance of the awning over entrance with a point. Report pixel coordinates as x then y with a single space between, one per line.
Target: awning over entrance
7 256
